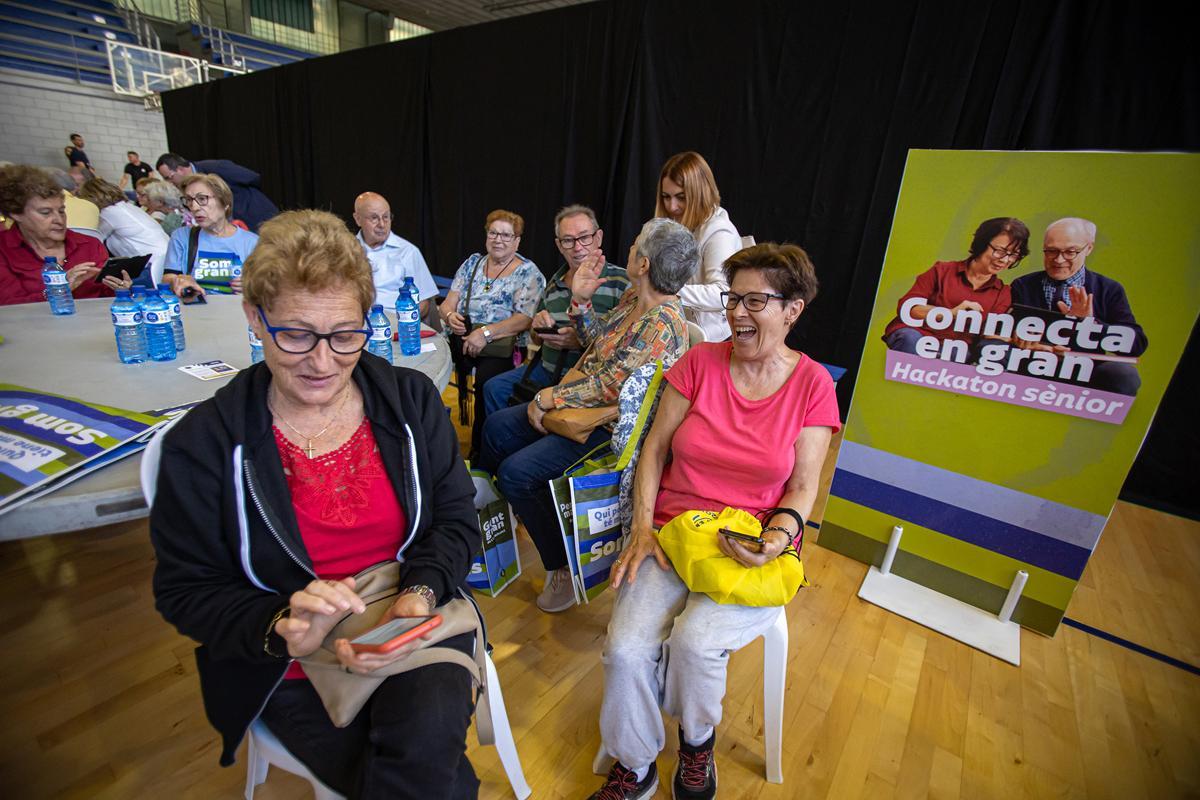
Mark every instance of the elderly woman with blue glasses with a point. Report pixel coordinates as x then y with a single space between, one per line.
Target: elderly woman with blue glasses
306 470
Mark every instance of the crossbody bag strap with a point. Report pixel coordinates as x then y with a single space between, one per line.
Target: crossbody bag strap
193 248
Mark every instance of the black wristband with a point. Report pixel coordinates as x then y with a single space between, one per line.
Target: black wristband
771 513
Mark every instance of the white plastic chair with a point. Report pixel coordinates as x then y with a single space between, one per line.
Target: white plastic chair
775 648
748 241
263 749
695 334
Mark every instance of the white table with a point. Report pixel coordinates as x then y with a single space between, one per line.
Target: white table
77 356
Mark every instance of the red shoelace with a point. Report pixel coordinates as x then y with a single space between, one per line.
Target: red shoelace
620 780
693 768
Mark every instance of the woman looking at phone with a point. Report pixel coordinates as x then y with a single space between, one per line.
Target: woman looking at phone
305 470
748 423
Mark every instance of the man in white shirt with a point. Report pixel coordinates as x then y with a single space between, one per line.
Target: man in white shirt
392 259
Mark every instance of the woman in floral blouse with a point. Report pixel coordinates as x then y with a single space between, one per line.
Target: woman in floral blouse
489 307
646 326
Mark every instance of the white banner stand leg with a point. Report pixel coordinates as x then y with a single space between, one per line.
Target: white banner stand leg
996 635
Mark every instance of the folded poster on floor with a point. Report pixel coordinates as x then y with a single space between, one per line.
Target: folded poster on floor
499 563
595 500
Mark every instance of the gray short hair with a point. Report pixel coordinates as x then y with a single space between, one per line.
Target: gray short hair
61 179
164 192
672 251
574 210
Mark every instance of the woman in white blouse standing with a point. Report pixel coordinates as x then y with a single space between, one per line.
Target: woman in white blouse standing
687 194
127 230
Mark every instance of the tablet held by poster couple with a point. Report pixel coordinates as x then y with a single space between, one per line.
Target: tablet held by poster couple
1004 391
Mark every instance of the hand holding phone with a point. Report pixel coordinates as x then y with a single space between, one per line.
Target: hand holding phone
394 633
548 329
754 543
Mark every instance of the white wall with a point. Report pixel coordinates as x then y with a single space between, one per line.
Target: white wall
37 114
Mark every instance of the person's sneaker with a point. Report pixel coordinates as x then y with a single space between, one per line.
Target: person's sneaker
696 775
558 595
622 784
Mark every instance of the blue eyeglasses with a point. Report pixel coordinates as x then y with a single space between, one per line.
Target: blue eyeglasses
301 340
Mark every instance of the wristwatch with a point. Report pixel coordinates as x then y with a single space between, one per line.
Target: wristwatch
425 592
537 401
487 333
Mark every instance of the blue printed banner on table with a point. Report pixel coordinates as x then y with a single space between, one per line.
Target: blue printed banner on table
44 436
1005 390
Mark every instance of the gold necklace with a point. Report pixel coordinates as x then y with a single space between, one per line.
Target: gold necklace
487 282
308 447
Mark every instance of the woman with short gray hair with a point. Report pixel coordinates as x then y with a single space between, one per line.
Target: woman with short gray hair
647 325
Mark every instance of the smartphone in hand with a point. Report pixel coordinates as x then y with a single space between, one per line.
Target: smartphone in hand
754 543
547 329
394 633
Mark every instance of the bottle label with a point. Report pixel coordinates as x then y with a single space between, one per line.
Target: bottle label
126 318
383 334
409 316
54 278
254 340
157 318
174 308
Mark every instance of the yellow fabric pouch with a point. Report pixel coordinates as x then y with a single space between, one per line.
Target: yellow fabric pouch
690 541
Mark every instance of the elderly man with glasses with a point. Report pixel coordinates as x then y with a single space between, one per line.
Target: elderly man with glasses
1065 285
577 235
392 258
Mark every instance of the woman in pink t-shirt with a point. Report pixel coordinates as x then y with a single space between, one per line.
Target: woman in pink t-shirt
747 424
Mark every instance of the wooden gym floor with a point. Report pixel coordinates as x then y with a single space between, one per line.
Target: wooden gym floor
100 697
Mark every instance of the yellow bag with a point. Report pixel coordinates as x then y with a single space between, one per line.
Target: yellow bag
690 541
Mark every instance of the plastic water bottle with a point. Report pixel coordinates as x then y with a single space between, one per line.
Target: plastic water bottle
256 353
129 329
58 290
380 343
168 297
160 338
408 323
410 287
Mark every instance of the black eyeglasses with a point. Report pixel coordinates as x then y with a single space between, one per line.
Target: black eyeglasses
199 199
1053 253
754 301
585 239
501 235
298 341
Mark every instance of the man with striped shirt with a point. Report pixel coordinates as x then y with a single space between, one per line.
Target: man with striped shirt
576 235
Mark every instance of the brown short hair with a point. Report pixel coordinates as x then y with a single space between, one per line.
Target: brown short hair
20 183
101 192
691 171
217 184
512 218
308 251
786 267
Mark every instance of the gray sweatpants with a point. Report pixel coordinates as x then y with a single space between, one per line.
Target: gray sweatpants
668 647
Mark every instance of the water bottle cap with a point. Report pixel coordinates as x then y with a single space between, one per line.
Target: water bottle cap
123 293
376 307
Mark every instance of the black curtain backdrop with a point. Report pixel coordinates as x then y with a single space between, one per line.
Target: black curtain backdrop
805 111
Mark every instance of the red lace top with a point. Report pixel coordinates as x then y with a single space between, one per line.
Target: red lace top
346 508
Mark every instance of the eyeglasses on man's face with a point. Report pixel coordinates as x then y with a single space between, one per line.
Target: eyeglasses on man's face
299 341
754 301
1070 254
501 236
569 242
376 219
200 200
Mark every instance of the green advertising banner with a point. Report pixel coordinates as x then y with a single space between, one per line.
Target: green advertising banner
1030 313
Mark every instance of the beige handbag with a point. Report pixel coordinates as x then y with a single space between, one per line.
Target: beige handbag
577 424
345 693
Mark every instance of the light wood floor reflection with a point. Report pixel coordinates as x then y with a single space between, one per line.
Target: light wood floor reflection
100 697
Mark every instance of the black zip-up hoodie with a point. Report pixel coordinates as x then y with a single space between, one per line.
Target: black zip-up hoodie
229 550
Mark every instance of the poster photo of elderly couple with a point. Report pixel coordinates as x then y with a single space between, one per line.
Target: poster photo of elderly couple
1042 283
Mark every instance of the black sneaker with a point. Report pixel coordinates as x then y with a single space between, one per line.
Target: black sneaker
622 784
696 775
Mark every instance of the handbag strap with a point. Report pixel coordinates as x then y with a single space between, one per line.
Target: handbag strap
643 416
193 246
471 283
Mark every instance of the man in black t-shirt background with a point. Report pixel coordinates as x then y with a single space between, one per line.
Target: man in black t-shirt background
135 170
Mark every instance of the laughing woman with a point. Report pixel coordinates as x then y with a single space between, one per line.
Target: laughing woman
747 423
